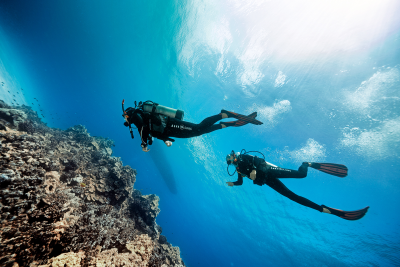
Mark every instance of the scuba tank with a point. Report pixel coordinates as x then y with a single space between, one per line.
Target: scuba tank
151 107
162 113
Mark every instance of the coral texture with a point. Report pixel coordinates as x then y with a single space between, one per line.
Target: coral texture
65 201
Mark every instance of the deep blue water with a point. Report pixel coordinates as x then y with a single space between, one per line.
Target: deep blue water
323 76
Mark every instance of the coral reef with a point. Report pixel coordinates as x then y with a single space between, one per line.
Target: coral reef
65 201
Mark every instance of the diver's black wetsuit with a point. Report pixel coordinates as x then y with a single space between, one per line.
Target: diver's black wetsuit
184 129
163 127
269 174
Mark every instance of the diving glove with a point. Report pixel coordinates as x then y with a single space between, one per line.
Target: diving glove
229 183
168 143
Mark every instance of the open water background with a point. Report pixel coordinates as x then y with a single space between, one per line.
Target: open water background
324 77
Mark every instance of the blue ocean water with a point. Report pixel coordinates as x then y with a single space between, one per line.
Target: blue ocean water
323 76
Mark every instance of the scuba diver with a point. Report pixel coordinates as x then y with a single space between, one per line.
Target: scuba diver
262 172
154 120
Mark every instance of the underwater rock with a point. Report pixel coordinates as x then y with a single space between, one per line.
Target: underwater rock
13 116
95 145
67 202
4 104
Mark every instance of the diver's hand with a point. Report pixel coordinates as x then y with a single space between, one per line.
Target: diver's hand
229 183
168 143
145 149
253 175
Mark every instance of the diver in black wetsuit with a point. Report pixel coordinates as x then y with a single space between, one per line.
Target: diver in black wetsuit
153 120
262 172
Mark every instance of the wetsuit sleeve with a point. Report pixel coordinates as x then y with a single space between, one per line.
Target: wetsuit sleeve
239 180
144 135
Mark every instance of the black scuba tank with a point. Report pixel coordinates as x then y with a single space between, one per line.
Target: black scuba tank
152 107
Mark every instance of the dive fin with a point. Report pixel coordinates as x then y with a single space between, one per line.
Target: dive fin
245 118
347 215
239 123
331 168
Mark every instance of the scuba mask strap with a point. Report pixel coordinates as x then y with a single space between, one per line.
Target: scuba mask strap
126 116
247 152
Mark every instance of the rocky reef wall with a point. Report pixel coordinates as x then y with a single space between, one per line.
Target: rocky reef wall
65 201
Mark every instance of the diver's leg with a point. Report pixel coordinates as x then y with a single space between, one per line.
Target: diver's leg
279 172
180 129
243 119
219 126
207 122
188 130
279 187
184 129
248 119
205 127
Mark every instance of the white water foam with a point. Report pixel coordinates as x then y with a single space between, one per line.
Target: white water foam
375 102
280 79
374 144
312 151
270 115
371 95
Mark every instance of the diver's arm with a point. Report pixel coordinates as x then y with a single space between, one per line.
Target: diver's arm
144 134
238 182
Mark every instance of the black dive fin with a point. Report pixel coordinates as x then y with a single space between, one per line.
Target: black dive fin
239 123
241 117
331 168
348 215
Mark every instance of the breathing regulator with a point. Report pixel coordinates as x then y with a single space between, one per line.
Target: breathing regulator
234 158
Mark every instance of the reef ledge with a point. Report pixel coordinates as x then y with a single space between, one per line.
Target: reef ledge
65 201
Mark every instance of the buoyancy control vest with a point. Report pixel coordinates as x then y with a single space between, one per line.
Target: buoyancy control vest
159 115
